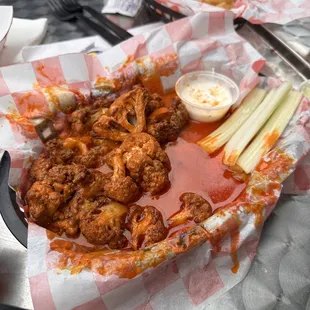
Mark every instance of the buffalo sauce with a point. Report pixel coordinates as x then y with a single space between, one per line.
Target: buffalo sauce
194 170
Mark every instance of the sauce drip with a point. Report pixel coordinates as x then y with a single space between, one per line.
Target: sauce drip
234 240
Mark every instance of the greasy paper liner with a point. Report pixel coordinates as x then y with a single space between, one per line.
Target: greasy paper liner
221 249
255 11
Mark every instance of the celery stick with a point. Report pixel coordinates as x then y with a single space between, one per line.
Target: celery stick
247 131
270 133
220 136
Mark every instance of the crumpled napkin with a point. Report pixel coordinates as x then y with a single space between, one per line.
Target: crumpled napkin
123 7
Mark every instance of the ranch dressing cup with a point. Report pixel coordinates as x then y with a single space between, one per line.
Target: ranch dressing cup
207 95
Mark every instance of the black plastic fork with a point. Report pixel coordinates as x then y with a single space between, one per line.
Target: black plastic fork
63 15
73 6
13 217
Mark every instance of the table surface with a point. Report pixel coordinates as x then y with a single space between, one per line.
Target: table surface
260 289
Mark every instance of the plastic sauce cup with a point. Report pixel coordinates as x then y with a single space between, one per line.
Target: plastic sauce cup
202 112
304 88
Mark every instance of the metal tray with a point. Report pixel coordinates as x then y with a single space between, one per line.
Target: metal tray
291 42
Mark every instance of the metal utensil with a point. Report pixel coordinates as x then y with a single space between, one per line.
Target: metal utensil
73 6
62 14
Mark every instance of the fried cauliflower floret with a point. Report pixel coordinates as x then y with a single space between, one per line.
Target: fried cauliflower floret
79 150
146 226
43 201
68 226
67 218
135 160
127 114
120 187
79 121
166 126
105 225
108 128
82 120
95 186
94 157
146 162
148 145
40 167
67 179
193 208
153 102
71 208
100 102
65 174
154 178
57 153
131 104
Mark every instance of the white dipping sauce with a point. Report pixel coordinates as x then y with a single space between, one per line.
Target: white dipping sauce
208 94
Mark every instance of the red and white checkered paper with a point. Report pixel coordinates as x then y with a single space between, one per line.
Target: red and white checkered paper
189 281
255 11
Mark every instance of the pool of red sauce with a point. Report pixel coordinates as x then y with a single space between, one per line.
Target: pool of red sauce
194 170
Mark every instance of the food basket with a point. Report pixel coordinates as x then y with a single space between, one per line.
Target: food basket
215 249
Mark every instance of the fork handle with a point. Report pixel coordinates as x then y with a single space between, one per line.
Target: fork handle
111 38
119 31
9 210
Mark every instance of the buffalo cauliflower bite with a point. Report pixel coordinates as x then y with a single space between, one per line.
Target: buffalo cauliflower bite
66 174
43 201
40 167
94 157
66 179
82 120
146 162
127 114
83 150
120 187
165 125
57 153
59 184
79 121
108 128
67 218
95 185
153 102
193 208
100 102
154 178
148 145
69 226
146 226
131 104
105 225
